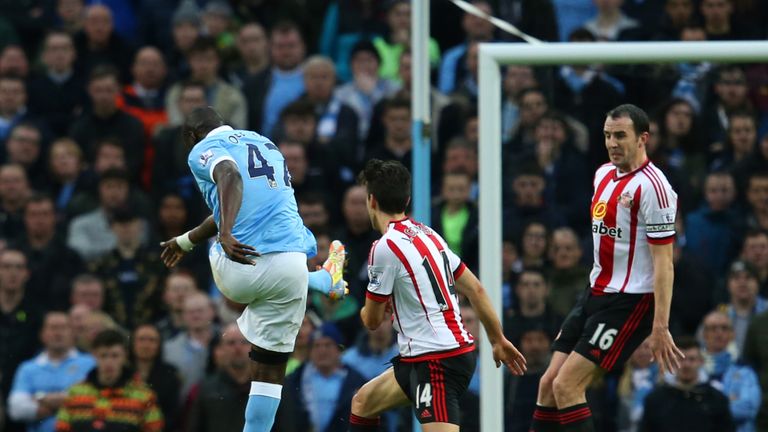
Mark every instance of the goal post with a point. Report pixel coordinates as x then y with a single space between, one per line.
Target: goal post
492 56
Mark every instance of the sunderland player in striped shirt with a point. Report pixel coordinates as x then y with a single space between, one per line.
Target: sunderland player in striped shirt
414 279
630 286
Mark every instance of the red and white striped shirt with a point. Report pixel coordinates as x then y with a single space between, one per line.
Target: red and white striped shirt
412 265
629 210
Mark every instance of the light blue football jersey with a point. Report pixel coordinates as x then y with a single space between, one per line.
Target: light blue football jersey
269 217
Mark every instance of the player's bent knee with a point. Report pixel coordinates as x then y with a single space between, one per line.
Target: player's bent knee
359 401
562 387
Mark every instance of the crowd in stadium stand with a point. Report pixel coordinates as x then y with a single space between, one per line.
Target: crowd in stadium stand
93 176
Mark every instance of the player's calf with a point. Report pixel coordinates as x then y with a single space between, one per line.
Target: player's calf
267 373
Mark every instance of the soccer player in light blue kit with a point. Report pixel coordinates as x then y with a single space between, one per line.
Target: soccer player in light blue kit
260 257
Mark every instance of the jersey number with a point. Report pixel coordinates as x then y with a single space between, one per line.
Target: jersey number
432 273
606 340
264 168
424 395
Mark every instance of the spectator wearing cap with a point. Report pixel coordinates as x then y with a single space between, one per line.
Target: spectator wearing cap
53 265
397 38
217 24
738 382
106 120
318 395
744 300
90 234
367 88
272 90
204 61
132 272
185 29
98 43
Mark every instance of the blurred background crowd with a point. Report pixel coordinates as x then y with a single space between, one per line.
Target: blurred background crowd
93 175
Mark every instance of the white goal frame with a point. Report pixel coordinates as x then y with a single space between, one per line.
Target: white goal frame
492 55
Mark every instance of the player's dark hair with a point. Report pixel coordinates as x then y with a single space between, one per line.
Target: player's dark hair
202 120
687 342
639 118
389 182
109 338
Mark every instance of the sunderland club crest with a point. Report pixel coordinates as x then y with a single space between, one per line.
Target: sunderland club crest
626 200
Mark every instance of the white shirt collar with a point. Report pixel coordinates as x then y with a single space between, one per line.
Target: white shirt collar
225 128
43 358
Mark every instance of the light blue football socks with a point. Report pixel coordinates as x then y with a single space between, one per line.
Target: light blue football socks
262 406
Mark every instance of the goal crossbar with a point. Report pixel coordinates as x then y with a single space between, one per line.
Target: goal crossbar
492 55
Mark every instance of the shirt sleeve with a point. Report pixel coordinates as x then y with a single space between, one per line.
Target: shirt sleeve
383 270
205 156
455 263
659 210
22 405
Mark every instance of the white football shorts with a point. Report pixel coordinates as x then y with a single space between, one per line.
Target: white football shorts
275 290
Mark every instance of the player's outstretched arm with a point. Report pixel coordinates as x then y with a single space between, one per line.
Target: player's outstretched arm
662 345
503 350
230 187
175 248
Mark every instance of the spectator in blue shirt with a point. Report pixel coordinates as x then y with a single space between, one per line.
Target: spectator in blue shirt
738 382
41 383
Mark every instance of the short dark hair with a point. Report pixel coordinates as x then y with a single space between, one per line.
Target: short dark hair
285 26
389 182
115 174
639 118
399 102
687 342
109 338
299 108
39 197
190 83
104 71
203 44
